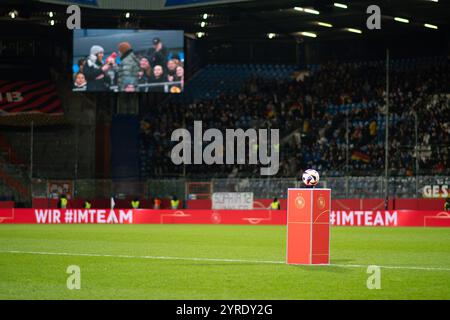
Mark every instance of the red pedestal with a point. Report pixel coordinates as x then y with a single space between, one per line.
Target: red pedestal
308 226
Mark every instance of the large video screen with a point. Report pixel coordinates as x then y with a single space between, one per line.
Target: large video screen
112 60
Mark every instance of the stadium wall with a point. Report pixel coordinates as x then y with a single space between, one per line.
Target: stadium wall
44 203
345 204
6 204
259 204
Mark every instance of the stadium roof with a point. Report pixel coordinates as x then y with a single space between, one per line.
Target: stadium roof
256 19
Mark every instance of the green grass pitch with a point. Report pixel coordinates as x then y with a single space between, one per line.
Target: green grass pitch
144 262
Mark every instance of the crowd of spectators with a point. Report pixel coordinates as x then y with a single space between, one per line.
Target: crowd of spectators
331 118
151 71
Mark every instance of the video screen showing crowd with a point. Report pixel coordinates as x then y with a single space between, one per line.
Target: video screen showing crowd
132 65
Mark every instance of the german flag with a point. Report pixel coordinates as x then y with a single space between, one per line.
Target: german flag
360 156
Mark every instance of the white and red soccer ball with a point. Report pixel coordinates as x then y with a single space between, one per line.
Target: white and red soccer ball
310 177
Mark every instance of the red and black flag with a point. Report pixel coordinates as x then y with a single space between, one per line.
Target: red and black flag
25 97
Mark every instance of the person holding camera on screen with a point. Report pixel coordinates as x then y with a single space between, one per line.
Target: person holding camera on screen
95 71
112 71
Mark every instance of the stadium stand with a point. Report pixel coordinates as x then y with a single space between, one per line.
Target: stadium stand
216 79
313 113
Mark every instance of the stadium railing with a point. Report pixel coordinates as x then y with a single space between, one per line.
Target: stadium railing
343 187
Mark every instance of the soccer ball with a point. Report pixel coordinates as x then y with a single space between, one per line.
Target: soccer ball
310 177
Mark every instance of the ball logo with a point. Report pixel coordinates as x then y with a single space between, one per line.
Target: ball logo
299 202
321 202
216 218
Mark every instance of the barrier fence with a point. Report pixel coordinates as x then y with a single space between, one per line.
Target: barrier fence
342 187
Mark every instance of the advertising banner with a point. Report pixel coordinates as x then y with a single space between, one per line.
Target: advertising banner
140 216
390 218
232 200
398 218
436 191
55 188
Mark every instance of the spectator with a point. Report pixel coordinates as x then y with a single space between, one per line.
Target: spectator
144 74
111 61
62 202
174 203
275 205
179 75
157 77
94 70
176 59
87 204
157 55
135 203
156 203
81 64
145 69
80 81
127 73
129 88
171 70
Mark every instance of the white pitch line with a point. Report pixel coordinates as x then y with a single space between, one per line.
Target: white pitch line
216 260
140 257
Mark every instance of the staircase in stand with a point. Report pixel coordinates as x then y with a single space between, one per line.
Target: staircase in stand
14 182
